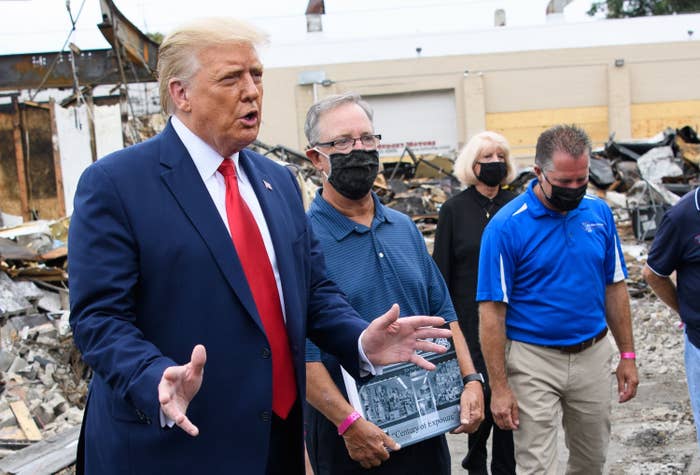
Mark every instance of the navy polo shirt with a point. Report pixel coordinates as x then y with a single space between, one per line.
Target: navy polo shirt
551 269
676 247
376 267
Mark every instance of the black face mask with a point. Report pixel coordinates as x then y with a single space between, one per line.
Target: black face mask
564 199
353 173
492 173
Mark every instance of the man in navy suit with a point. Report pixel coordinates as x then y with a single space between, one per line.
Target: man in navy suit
160 287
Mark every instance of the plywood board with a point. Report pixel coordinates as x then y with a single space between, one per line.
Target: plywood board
522 129
651 118
25 421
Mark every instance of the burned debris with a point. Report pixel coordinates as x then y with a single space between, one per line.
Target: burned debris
650 175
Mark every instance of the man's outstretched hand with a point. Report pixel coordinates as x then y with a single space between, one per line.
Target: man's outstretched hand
178 387
390 339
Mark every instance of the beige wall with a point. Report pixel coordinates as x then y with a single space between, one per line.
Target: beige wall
518 93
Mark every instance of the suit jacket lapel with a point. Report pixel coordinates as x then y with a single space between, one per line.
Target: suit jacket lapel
183 180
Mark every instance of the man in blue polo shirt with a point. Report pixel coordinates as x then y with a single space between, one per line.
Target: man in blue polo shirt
377 257
676 248
551 283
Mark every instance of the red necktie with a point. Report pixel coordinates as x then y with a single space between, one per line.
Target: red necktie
261 279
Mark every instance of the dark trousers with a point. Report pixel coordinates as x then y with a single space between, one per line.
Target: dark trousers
502 455
286 453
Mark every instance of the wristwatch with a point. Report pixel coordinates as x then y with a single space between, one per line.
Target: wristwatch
473 377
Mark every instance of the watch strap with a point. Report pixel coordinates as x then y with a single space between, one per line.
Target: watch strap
473 377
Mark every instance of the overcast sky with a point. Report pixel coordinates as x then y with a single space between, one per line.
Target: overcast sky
45 25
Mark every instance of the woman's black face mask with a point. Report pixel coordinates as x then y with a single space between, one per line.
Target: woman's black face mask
492 173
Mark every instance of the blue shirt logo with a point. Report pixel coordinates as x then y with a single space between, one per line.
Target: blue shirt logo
589 227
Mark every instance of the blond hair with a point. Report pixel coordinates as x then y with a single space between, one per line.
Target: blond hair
464 165
177 55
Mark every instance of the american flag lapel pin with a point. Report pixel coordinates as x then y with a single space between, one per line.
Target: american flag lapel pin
267 185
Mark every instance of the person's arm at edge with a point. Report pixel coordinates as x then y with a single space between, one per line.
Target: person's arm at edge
662 286
492 333
366 443
472 399
619 319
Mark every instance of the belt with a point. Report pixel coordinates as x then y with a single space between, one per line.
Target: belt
579 347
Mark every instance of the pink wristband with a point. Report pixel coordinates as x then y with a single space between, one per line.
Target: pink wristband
628 355
354 415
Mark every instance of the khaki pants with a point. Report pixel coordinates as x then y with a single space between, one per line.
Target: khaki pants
548 383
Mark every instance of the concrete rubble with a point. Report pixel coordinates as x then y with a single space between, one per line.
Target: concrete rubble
43 381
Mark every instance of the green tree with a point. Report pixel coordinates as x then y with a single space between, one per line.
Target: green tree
157 37
632 8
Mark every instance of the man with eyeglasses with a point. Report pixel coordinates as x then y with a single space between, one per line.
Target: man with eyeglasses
551 283
378 258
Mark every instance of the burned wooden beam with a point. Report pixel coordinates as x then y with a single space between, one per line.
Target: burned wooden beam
119 31
94 67
19 157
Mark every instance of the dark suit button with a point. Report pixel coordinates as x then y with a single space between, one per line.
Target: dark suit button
266 353
142 417
265 416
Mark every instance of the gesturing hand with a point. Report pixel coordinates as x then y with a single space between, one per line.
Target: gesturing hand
390 339
178 387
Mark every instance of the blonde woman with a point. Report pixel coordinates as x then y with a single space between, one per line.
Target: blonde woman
483 166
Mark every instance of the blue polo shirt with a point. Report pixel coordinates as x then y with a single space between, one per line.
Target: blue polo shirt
377 266
676 247
551 269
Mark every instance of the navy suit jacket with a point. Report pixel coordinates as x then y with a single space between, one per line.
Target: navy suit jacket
153 272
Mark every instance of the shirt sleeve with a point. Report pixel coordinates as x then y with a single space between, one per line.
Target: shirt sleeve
615 268
496 265
664 254
313 353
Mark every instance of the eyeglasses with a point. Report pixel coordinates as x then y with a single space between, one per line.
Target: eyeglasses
344 144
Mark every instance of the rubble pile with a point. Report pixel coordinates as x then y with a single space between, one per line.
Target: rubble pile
35 250
651 174
40 367
43 381
143 127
